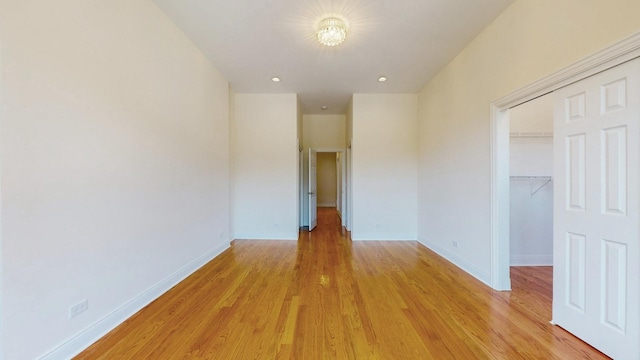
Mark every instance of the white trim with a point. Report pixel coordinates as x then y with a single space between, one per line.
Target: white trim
349 187
282 236
271 238
301 188
531 260
377 237
93 333
500 275
468 267
616 54
345 184
1 232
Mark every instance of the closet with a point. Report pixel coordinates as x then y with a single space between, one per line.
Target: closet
531 183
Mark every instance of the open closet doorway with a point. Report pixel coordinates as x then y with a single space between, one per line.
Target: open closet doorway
531 183
531 203
596 222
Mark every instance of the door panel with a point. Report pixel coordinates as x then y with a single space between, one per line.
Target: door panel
614 170
313 199
614 259
576 271
596 210
576 164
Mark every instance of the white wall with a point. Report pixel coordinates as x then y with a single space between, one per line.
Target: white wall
531 222
324 131
531 200
327 178
114 155
384 154
531 39
265 166
531 156
531 141
532 117
320 132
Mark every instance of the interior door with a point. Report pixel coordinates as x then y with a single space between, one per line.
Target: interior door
313 199
596 217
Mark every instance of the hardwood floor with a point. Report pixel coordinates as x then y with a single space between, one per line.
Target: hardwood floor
324 297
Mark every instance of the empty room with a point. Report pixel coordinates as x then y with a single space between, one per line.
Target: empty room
326 179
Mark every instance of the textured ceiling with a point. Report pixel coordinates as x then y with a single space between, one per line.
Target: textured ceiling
409 41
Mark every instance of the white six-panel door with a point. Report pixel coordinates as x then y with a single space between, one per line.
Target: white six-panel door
313 198
596 277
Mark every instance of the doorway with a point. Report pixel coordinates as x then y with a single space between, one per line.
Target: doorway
328 189
531 183
591 99
607 58
326 180
531 202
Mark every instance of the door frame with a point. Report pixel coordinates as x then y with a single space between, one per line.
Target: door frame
348 191
312 193
2 104
300 186
345 180
616 54
340 184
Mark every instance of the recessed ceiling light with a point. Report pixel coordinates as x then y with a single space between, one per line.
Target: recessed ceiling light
324 107
382 79
275 79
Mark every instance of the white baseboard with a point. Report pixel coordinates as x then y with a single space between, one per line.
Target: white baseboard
288 235
93 333
376 237
469 268
531 260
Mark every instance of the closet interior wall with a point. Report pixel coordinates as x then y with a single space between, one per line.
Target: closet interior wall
531 183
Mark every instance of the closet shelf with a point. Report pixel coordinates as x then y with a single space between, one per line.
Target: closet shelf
531 134
547 179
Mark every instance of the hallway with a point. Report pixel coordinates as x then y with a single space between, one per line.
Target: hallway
325 297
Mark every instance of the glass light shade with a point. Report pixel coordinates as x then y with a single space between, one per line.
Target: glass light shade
332 31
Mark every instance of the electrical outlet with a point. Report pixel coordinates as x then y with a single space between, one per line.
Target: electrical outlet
75 310
455 243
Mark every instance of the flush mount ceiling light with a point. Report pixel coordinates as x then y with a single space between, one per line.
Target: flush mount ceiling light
331 31
275 79
382 79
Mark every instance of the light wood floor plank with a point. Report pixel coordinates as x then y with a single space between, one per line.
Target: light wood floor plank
325 297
